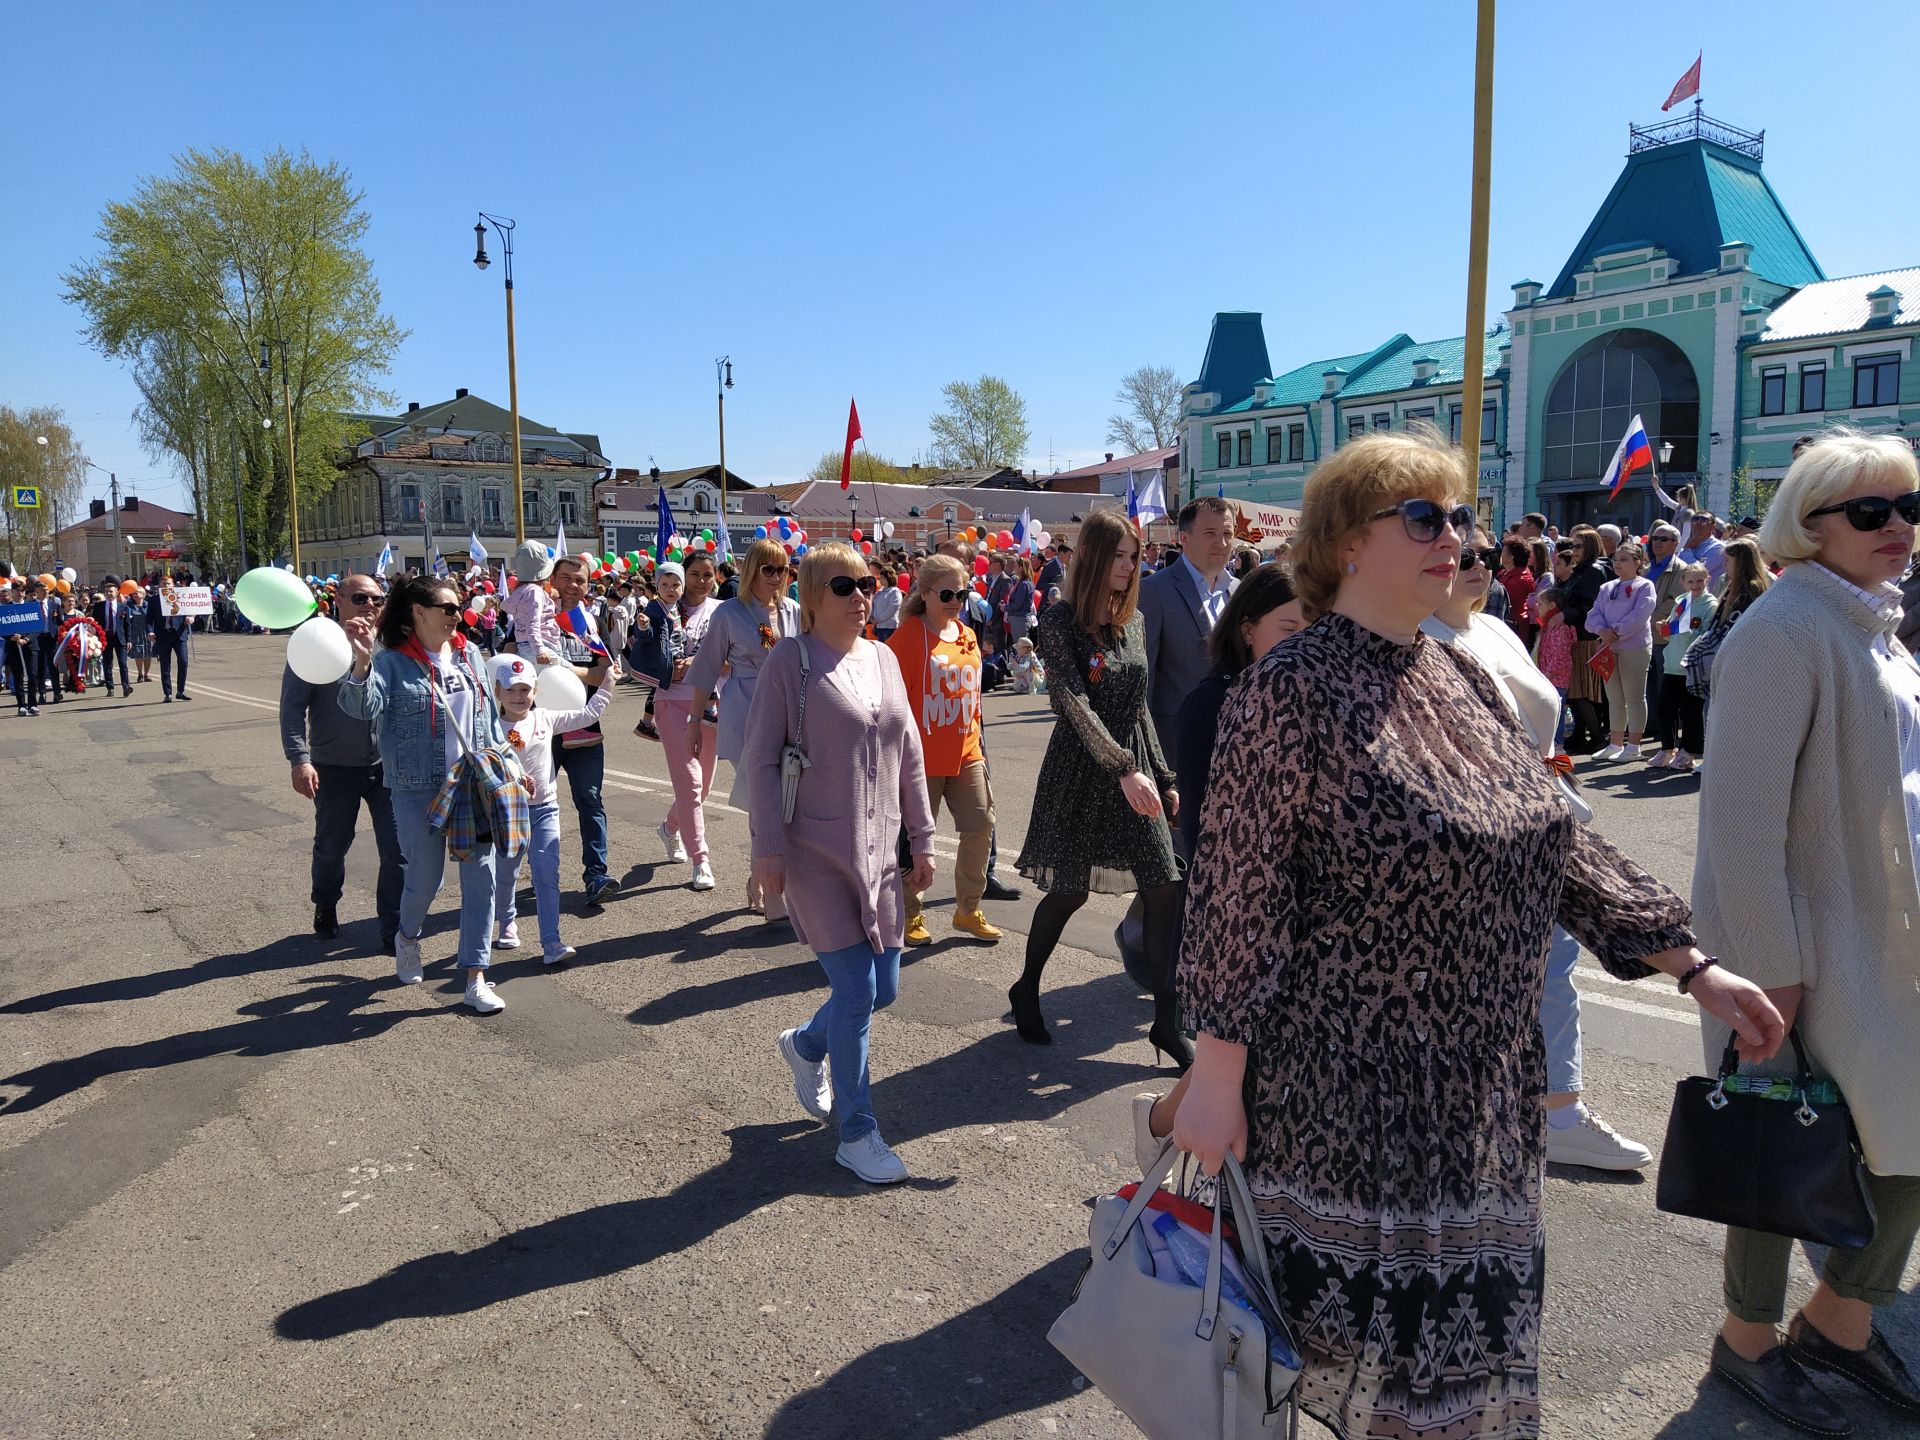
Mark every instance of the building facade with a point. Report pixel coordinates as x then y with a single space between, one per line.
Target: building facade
142 538
426 480
1691 300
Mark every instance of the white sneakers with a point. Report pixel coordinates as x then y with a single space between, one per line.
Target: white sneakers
481 996
676 852
558 957
509 938
702 876
1146 1145
1608 754
870 1159
811 1082
1594 1143
406 961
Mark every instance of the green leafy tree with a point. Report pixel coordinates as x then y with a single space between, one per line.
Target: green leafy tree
1149 417
983 425
866 469
194 273
57 468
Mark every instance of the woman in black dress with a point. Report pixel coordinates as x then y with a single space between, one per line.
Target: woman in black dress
1105 792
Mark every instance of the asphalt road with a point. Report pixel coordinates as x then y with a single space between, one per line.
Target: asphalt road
250 1187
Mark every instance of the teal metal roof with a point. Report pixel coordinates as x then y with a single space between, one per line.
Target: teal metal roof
1690 198
1236 357
1833 307
1385 368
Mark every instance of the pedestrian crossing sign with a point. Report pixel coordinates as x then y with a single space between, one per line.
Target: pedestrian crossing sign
26 497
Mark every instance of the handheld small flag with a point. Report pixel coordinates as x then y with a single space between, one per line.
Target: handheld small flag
579 624
1635 453
476 552
1023 532
665 529
853 434
560 543
1679 621
381 565
1148 504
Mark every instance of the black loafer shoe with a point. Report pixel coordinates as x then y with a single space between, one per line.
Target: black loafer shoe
1875 1369
326 924
996 891
1778 1384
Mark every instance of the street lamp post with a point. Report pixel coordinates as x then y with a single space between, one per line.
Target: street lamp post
504 228
723 382
853 520
113 493
293 484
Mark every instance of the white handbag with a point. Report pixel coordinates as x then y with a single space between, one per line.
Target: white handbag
793 757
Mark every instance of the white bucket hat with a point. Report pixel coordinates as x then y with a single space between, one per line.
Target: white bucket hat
530 563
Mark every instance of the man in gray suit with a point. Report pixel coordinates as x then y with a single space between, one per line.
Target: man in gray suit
1180 605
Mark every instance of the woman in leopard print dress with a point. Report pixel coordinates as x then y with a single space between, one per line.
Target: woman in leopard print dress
1381 865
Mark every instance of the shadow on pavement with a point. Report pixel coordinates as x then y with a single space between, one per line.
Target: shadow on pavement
767 1163
982 1365
327 1012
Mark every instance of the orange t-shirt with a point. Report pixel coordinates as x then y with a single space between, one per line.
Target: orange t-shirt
943 687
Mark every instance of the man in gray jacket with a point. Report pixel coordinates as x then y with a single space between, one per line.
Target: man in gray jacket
1180 605
336 764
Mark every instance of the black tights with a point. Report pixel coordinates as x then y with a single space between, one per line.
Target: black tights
1161 906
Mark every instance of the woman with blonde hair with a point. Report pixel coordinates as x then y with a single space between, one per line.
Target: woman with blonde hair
1107 791
940 662
1805 882
1383 856
739 636
837 698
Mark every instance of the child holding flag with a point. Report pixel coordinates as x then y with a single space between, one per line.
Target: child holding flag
1683 716
530 731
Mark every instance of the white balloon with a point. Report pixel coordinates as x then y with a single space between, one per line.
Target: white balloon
886 529
319 651
69 574
558 688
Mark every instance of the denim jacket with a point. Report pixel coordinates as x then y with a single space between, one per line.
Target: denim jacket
397 696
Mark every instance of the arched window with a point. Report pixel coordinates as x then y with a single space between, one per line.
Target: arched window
1599 391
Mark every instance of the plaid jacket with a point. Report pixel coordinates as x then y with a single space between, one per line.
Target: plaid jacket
483 801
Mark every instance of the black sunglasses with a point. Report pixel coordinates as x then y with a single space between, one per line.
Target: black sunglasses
445 607
947 597
1470 557
362 599
1870 512
845 585
1423 519
772 570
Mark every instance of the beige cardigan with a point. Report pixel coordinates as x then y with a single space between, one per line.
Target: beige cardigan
1803 873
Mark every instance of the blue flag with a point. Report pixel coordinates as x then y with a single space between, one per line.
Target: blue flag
666 529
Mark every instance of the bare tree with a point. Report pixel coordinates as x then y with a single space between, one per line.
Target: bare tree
1151 417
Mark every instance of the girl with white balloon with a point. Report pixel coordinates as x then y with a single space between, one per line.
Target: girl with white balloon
535 708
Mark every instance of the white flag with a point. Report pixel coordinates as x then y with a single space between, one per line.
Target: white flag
560 544
476 552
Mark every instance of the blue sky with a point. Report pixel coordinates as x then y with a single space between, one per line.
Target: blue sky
873 199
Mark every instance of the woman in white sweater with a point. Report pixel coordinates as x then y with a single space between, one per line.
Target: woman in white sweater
1575 1135
1805 882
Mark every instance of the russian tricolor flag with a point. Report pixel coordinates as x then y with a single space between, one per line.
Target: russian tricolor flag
579 624
1635 453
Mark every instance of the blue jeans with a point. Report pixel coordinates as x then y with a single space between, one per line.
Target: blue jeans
426 852
1560 1015
543 856
336 811
586 769
862 982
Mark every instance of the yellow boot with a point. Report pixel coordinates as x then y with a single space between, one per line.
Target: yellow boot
917 932
975 924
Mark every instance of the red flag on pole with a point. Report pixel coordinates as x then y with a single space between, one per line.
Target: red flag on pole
853 434
1687 85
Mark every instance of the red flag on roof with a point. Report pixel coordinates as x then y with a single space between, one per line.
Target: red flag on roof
1687 86
853 434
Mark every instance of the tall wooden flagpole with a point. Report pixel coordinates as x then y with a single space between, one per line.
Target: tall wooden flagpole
1474 385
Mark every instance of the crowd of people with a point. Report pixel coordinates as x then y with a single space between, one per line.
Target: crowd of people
86 635
1299 766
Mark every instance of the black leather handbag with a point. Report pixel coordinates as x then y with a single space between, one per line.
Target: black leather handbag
1779 1156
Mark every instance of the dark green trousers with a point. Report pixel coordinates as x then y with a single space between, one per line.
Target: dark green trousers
1755 1263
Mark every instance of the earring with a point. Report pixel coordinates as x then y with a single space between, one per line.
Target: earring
1352 569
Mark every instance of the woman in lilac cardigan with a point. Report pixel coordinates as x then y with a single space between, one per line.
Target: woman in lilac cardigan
1622 619
865 780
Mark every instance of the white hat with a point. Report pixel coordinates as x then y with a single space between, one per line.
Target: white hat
508 671
669 567
531 562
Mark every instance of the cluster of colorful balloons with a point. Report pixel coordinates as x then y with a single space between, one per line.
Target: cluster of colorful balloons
61 584
790 536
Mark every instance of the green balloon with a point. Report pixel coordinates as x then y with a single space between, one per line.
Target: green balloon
610 558
275 598
706 534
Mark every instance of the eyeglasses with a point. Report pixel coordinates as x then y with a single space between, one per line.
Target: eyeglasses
947 597
362 599
1470 557
769 571
845 585
1423 519
1871 512
445 607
